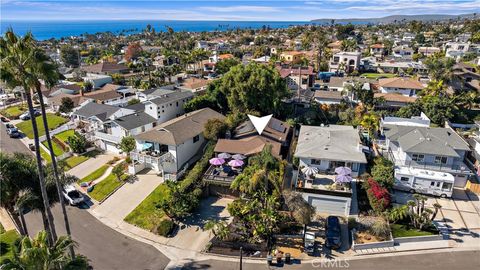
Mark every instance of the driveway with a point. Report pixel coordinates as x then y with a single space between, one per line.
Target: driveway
90 165
125 199
461 212
191 235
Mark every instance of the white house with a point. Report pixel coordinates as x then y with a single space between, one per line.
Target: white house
167 106
457 49
97 80
434 149
94 115
327 148
403 52
173 145
429 51
402 85
345 62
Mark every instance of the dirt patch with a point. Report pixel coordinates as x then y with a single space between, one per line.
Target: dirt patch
294 246
365 237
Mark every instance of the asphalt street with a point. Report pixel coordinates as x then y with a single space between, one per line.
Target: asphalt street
104 247
465 260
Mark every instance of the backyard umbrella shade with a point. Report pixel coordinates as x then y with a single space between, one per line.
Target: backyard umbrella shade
310 170
342 178
235 163
343 170
217 161
224 155
238 157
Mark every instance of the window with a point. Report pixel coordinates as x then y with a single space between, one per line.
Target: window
440 160
315 162
447 186
404 179
432 184
177 103
418 157
196 138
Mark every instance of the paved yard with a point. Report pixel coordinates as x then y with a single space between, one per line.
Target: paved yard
124 200
461 212
191 235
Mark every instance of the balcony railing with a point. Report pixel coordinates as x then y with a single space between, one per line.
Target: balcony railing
107 137
216 175
323 183
158 160
457 167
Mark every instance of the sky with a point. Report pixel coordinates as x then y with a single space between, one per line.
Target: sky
250 10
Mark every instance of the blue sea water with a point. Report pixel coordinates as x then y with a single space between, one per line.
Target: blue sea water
56 29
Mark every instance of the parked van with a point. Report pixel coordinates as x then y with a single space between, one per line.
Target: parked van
424 181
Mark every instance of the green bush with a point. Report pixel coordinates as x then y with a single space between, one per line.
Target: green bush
383 172
352 223
164 227
194 176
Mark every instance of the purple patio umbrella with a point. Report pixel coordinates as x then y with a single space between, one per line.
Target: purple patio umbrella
238 156
217 161
343 178
235 163
224 155
343 171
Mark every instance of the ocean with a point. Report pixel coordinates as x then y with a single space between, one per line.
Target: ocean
43 30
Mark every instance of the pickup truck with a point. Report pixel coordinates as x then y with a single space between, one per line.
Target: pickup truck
72 196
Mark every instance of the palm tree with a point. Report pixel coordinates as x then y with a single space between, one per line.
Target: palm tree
437 207
19 67
36 253
370 123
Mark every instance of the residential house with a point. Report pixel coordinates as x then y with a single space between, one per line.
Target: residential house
297 77
328 97
377 50
93 115
168 106
327 148
197 86
433 149
393 101
428 51
172 146
404 52
292 57
457 50
403 85
97 80
106 68
345 62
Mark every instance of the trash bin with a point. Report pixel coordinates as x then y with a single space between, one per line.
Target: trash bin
279 258
269 259
287 258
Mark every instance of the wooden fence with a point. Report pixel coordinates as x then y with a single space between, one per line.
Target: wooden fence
473 187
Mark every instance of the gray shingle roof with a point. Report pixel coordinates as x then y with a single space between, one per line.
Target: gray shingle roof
135 120
334 142
426 140
102 111
172 97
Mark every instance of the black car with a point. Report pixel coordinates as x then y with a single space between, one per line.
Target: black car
333 233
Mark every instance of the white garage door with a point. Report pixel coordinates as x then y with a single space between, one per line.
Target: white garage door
111 148
332 206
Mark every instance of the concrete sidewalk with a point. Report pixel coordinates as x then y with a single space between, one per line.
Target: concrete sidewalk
404 247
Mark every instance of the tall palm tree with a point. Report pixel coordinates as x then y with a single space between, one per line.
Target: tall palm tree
37 254
18 67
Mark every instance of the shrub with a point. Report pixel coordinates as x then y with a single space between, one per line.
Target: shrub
380 229
164 227
352 223
383 172
378 196
194 176
78 143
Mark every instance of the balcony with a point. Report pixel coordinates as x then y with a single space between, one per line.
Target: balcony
322 183
220 176
456 167
157 160
107 137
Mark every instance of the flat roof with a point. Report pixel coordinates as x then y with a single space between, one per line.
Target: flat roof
426 174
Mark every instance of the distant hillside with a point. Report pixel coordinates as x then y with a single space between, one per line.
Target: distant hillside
398 18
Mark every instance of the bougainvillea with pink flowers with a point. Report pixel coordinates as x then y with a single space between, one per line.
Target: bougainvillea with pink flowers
378 196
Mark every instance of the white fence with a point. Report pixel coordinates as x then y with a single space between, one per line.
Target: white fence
60 129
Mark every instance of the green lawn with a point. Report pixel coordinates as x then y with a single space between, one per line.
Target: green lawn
105 187
75 160
63 136
53 122
14 111
7 239
94 175
400 230
378 75
146 215
46 156
57 150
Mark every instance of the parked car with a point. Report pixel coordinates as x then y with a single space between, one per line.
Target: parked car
13 132
333 233
309 243
73 196
26 115
4 119
9 126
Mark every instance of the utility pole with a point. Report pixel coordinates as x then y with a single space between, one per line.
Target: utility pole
241 257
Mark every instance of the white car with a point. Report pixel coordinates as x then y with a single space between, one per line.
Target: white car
73 196
26 115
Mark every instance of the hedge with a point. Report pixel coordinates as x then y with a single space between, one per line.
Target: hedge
164 227
194 176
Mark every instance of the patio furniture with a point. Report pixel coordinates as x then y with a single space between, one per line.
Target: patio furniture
224 155
217 161
310 170
227 169
343 170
